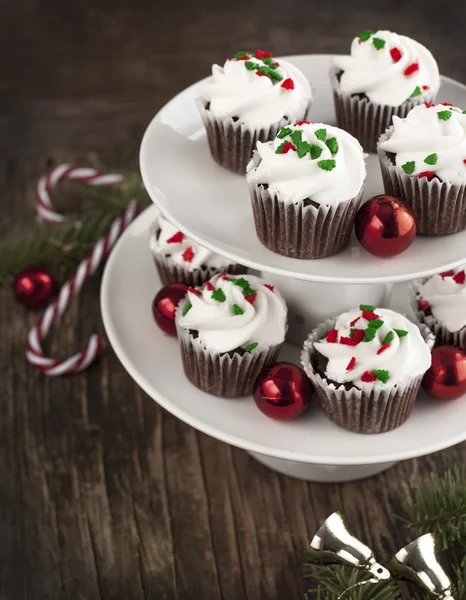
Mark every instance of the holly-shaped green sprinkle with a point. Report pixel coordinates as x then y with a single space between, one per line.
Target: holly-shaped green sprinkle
268 61
444 115
382 375
417 92
187 308
274 75
219 295
315 151
327 165
367 307
284 131
279 150
408 167
303 148
238 310
244 285
400 332
365 35
369 334
375 323
251 65
388 338
321 134
431 159
241 54
332 145
296 136
251 346
378 43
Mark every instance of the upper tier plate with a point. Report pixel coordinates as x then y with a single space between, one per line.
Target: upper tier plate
212 205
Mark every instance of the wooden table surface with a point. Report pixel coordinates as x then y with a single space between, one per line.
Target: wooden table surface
103 494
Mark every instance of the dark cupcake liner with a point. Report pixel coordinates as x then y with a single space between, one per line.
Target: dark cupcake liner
232 143
439 206
366 120
170 272
377 411
225 375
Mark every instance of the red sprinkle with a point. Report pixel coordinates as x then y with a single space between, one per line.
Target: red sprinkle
288 84
446 104
426 174
245 57
287 146
332 336
275 64
426 87
303 123
188 254
449 273
358 335
368 377
464 161
260 74
429 104
369 315
176 239
351 363
195 292
412 68
459 277
223 275
395 53
383 348
250 298
262 54
268 286
209 286
423 304
353 323
347 341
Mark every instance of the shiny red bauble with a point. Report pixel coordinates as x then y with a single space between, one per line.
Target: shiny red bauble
34 287
446 378
282 391
164 306
385 226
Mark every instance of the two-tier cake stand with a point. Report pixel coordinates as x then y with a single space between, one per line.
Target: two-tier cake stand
212 206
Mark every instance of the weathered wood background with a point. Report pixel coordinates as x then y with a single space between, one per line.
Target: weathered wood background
102 493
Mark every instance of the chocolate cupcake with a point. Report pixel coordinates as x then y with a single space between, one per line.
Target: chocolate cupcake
305 188
440 303
181 260
366 367
229 331
249 99
423 162
385 75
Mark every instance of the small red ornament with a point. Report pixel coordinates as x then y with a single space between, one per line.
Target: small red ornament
164 306
34 287
446 378
283 391
385 226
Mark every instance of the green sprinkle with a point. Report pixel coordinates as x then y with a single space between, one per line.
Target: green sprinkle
375 323
365 35
238 310
273 65
219 295
284 131
279 150
241 54
327 165
251 65
444 115
369 334
382 375
464 112
400 332
267 61
274 75
296 136
321 134
367 307
388 338
251 346
408 167
417 92
378 43
244 285
431 159
315 151
187 308
303 148
332 145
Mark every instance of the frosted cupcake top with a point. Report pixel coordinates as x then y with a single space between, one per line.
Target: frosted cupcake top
445 295
235 312
310 160
374 347
430 140
167 240
388 68
256 89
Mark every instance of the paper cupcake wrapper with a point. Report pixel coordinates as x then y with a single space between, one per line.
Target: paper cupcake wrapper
439 206
232 143
442 335
170 272
366 120
377 411
221 374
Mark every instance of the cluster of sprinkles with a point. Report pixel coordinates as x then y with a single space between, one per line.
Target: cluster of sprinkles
219 296
178 238
358 336
458 278
268 68
395 53
296 144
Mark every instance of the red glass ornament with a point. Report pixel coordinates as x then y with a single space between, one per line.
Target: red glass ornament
283 391
385 226
164 306
446 378
34 287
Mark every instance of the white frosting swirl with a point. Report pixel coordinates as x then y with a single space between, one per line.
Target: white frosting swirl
162 241
423 134
258 101
294 179
405 357
236 322
447 298
382 73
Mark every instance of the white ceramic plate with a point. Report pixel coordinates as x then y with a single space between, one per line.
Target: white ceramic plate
152 359
212 205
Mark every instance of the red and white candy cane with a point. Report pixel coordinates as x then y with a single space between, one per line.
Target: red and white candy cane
35 352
